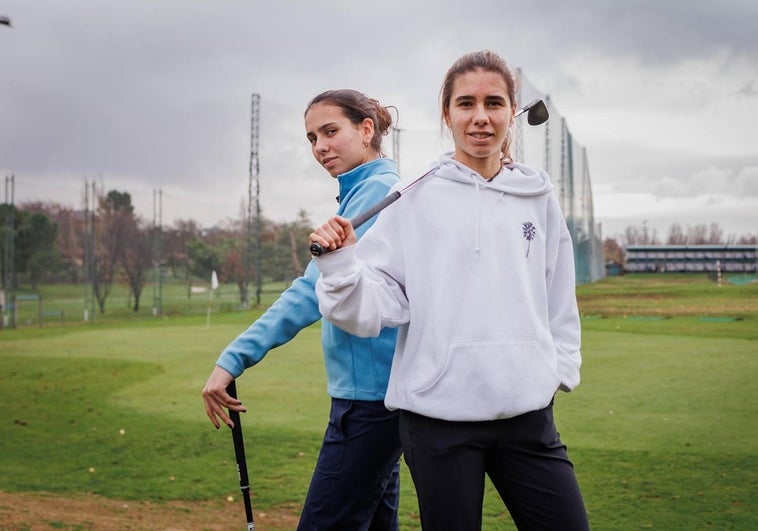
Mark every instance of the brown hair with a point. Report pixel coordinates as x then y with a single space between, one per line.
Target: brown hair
357 107
488 61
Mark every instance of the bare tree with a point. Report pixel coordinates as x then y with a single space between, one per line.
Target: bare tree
136 257
115 214
612 251
715 234
697 235
233 265
643 235
293 251
676 235
175 245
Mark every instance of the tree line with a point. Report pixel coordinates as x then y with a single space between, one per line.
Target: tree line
54 243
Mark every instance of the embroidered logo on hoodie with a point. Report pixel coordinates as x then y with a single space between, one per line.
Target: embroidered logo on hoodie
529 233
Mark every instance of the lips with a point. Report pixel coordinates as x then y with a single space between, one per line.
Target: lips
328 161
480 138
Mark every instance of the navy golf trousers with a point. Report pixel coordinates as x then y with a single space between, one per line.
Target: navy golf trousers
356 483
523 456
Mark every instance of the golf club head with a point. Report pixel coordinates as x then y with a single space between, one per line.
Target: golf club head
536 112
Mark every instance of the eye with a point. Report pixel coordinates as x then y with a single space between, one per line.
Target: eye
331 131
311 139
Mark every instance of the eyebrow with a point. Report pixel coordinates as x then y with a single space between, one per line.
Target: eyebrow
323 127
489 97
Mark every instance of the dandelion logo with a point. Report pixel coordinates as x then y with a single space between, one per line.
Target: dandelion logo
529 232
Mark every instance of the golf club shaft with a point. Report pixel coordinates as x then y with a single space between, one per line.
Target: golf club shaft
316 248
360 219
239 452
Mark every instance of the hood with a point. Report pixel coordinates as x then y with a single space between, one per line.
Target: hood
513 179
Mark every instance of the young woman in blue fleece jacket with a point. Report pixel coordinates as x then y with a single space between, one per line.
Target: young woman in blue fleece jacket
355 485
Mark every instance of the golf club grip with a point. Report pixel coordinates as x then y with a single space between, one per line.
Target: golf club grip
360 219
239 453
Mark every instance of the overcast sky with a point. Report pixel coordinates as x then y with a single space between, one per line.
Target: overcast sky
146 95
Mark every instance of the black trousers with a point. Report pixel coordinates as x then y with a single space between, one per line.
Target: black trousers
356 483
523 457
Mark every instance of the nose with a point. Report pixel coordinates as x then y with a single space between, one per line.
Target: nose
480 116
320 146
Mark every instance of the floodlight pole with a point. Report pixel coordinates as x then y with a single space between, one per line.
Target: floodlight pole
157 252
396 146
254 179
9 246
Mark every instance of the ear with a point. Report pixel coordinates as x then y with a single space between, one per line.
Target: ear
367 130
514 108
446 117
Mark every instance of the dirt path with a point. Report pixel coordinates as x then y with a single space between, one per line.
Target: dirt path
40 511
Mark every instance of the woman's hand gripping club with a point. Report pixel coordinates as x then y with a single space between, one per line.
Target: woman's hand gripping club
336 233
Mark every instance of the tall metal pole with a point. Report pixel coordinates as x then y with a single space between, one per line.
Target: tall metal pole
91 235
157 252
155 259
549 155
9 245
85 250
160 252
253 181
396 146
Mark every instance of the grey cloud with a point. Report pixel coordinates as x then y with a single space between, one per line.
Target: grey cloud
677 175
748 90
156 94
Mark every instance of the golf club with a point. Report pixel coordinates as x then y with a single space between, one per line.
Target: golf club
239 452
536 114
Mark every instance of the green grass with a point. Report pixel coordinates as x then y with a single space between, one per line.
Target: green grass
176 302
661 430
667 295
79 388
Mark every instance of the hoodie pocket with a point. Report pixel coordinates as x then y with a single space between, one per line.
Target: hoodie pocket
489 380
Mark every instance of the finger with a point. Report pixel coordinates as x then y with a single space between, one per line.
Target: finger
337 227
344 223
210 411
221 414
215 402
326 237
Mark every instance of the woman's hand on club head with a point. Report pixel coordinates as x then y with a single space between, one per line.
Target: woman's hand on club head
216 398
334 234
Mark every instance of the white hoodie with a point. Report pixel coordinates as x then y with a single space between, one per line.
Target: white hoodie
479 278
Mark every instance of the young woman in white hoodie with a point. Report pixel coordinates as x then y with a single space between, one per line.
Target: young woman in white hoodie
475 268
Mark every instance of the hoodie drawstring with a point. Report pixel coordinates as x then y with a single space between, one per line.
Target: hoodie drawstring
476 213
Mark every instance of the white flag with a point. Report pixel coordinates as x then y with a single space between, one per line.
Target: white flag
214 280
